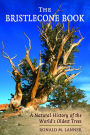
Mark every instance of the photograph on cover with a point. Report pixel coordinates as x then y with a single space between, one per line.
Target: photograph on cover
44 67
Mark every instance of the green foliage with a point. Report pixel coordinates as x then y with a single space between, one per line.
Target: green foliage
27 79
67 96
47 55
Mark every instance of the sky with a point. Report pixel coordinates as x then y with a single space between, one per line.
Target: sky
12 35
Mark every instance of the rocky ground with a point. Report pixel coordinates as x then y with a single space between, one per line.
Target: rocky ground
58 122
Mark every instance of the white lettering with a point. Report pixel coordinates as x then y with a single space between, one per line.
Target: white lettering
39 18
70 18
13 18
7 18
45 16
75 18
56 18
64 19
34 18
81 18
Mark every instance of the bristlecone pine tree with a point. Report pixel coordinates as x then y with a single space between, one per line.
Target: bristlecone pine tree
57 56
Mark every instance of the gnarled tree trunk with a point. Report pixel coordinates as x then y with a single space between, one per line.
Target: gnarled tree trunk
16 101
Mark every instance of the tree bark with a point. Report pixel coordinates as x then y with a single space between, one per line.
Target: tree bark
33 104
4 107
16 101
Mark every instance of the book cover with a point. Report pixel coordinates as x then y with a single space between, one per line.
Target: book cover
44 67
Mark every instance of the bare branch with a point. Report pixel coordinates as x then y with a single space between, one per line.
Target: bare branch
27 55
63 43
20 64
68 27
48 42
80 34
71 77
64 40
36 84
68 64
40 65
57 37
5 55
58 34
58 76
67 53
39 29
71 69
29 42
14 57
30 63
10 73
63 26
64 71
12 76
44 35
61 69
53 88
52 18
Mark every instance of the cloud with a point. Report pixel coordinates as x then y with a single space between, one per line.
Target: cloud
85 87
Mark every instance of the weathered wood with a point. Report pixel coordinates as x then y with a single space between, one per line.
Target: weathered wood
4 107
